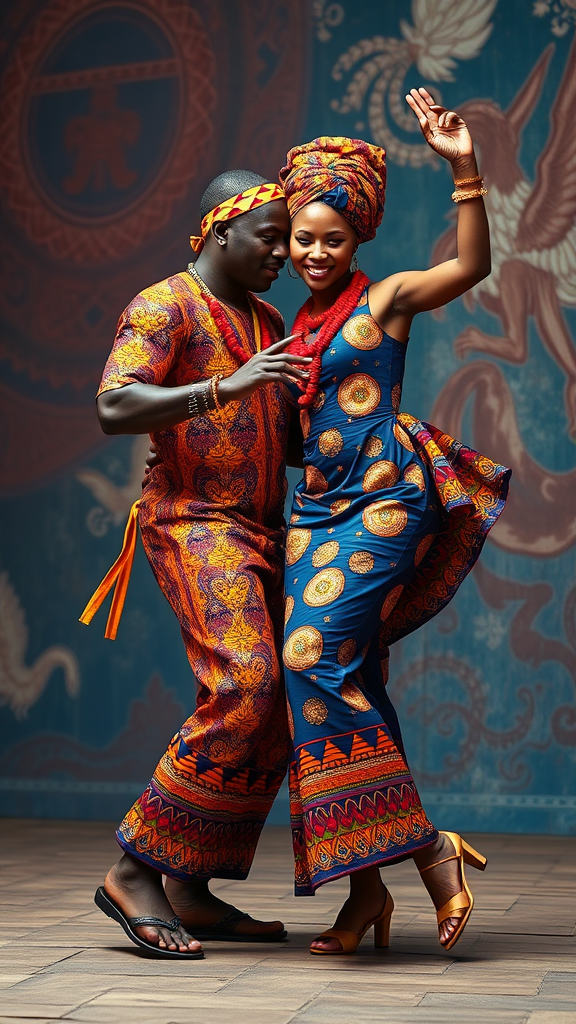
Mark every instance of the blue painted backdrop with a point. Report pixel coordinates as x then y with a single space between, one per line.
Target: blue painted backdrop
116 116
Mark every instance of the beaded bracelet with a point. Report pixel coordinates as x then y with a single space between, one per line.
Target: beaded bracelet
469 181
214 382
475 193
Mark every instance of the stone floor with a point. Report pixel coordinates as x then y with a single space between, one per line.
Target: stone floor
61 959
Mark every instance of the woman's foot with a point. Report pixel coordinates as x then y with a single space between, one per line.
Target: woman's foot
137 889
365 902
443 881
199 908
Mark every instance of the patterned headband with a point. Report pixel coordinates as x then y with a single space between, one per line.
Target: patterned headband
246 201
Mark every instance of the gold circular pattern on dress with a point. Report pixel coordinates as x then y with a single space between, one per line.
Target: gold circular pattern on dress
363 299
363 332
346 652
294 518
316 482
315 711
414 475
402 437
305 422
396 397
319 401
361 561
297 540
358 395
373 446
303 648
340 505
386 518
390 601
288 608
324 587
325 553
331 442
380 474
423 548
354 697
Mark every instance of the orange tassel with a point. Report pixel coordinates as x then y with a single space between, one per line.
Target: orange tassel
117 576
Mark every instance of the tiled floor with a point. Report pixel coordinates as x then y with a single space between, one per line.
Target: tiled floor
61 959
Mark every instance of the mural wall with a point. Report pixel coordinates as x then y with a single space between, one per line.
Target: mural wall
116 114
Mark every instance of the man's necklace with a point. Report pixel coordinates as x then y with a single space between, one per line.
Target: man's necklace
226 327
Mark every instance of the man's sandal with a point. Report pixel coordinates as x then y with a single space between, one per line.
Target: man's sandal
225 931
464 900
109 907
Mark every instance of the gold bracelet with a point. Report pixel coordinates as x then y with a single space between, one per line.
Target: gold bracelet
469 181
214 382
475 193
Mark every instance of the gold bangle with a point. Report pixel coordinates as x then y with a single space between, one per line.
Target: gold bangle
469 181
475 193
214 382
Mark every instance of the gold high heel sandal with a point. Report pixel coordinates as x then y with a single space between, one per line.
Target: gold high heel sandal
463 900
350 941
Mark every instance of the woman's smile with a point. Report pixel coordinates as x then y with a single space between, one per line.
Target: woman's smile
319 273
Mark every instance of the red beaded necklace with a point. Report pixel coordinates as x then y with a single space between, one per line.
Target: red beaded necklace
329 323
226 329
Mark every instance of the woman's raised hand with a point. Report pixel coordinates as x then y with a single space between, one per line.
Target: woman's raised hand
272 365
445 132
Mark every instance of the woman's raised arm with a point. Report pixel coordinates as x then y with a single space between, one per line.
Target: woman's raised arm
398 298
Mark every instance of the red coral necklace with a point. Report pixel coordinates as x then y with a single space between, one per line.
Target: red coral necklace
227 330
327 324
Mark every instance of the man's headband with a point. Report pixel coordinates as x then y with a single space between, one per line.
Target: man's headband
244 202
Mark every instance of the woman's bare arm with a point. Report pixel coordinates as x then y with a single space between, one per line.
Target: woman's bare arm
397 299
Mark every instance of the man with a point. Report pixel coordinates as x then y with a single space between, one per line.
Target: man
197 364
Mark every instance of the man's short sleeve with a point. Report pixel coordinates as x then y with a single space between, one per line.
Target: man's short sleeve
147 340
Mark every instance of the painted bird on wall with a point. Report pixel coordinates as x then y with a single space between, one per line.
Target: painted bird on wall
532 226
20 684
118 500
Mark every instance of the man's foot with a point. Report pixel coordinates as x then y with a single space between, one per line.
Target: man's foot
442 881
199 908
365 902
137 889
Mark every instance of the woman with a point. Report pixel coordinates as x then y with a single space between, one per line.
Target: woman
389 518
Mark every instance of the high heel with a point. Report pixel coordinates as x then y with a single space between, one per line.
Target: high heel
349 941
464 900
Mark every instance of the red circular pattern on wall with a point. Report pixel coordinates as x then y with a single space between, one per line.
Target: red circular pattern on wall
69 263
193 64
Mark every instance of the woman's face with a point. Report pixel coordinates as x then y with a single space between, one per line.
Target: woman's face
322 244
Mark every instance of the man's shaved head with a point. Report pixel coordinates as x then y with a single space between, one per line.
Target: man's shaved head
227 185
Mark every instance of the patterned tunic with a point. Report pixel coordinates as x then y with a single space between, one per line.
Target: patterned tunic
211 518
389 518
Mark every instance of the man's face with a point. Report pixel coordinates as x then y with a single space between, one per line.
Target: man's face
257 245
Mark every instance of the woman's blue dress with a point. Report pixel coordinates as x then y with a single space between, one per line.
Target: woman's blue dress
389 517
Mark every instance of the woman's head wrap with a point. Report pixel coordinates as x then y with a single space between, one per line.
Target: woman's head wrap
244 202
347 174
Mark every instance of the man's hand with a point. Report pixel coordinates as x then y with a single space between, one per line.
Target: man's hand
272 365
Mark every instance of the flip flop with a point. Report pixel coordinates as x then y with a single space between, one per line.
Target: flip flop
109 907
224 931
